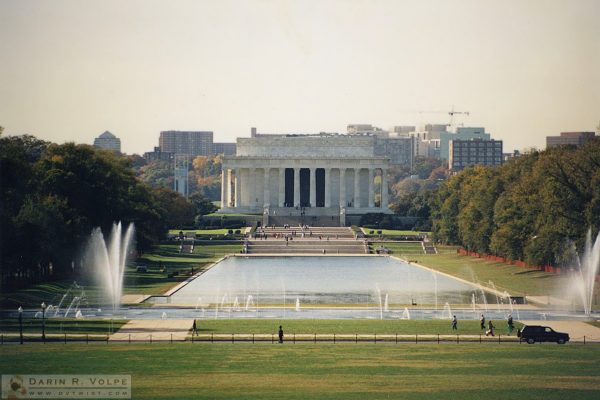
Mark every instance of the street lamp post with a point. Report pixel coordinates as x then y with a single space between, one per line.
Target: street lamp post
20 309
44 322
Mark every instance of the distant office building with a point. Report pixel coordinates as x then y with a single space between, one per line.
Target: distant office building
569 138
108 141
227 149
465 153
366 129
425 147
402 130
158 155
462 133
191 143
434 131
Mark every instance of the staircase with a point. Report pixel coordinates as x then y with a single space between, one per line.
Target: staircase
311 240
428 247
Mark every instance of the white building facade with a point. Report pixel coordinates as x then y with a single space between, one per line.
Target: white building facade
308 175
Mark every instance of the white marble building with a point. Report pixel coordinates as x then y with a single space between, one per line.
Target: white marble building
311 175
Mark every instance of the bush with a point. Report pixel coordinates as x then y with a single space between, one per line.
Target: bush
237 231
230 231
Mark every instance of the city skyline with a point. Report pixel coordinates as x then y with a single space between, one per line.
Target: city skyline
523 69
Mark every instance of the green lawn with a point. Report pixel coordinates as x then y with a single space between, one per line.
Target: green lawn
61 325
325 371
151 282
515 280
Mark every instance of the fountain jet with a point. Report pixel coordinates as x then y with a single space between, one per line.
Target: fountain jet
584 279
109 258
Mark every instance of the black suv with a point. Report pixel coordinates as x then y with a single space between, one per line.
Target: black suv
536 333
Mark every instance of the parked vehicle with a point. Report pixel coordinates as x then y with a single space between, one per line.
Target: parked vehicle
537 333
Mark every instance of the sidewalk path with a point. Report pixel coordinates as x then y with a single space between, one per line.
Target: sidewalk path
141 330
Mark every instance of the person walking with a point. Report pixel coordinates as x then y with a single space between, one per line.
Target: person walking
490 331
280 334
194 329
482 322
454 323
510 323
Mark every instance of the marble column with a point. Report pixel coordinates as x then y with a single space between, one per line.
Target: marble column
281 187
384 189
327 187
251 188
228 188
267 189
296 187
238 187
313 187
343 201
371 189
356 187
223 187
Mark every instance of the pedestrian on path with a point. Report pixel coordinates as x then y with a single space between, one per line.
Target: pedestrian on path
482 322
454 323
511 325
194 329
280 334
490 331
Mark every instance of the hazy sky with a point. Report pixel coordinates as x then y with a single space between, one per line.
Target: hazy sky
70 70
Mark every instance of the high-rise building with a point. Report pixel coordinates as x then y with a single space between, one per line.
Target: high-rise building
462 133
108 141
569 138
227 149
159 155
198 143
465 153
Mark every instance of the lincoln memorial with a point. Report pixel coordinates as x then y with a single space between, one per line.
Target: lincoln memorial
324 175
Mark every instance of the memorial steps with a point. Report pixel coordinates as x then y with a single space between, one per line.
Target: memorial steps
314 240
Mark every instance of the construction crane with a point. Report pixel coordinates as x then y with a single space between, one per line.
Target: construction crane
452 113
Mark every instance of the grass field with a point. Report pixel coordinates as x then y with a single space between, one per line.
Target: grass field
151 282
325 371
516 280
61 325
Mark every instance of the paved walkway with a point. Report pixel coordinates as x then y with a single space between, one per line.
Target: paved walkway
144 330
134 298
576 329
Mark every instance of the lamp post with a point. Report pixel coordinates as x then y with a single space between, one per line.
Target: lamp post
44 322
20 309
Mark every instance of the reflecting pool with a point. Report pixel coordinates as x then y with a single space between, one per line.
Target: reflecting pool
248 282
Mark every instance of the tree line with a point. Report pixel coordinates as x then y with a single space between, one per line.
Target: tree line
535 208
53 195
204 175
